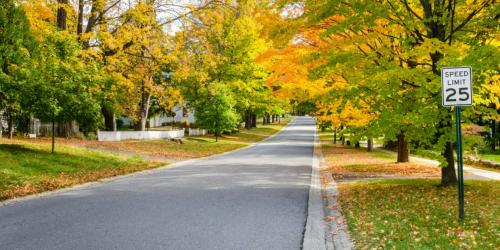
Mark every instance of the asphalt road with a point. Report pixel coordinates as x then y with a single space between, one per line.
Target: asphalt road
255 198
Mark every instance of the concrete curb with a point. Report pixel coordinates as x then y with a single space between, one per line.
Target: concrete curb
338 233
314 236
144 172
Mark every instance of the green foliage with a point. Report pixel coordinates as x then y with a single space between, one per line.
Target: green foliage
388 56
61 84
17 47
222 45
472 143
215 110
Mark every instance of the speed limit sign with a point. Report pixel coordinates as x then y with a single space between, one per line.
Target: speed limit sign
457 91
457 86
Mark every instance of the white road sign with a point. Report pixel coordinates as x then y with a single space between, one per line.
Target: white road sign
456 86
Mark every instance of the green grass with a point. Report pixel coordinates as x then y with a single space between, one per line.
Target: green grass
326 137
192 147
418 214
490 157
379 154
28 168
426 153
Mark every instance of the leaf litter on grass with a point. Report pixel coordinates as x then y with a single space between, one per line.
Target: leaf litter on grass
411 213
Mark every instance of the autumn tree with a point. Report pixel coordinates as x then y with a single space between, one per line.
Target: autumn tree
221 44
407 42
140 52
114 30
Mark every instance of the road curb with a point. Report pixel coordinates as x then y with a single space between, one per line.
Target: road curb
337 236
314 235
139 173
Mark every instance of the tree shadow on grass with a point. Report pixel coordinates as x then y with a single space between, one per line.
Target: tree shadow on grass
202 139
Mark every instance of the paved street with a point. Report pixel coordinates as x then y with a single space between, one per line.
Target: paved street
255 198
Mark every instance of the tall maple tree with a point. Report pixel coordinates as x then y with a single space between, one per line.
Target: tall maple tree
403 45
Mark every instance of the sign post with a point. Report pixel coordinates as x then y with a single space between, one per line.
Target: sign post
457 91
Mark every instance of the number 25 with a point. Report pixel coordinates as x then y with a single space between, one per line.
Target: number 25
463 95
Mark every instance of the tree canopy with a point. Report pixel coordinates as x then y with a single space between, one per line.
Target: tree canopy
367 68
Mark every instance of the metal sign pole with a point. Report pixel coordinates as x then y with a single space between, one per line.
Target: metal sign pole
461 213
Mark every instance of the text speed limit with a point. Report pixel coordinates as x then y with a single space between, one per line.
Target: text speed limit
456 86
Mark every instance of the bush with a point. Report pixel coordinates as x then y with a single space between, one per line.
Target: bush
472 142
91 136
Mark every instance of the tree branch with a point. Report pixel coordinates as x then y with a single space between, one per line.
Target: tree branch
405 2
469 18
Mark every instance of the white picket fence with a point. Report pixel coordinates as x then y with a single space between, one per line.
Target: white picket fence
138 135
197 132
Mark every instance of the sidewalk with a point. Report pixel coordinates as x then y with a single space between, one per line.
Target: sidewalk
475 171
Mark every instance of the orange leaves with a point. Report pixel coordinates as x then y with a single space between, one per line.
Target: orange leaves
345 113
290 73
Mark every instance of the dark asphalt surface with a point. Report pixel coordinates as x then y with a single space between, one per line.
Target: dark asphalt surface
255 198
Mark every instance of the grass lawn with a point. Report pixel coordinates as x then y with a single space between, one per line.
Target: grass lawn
417 214
192 147
404 208
490 157
352 163
28 168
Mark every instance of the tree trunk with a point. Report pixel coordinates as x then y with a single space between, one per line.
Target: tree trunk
493 134
266 119
254 120
10 123
357 145
79 28
403 154
143 110
342 139
1 124
53 132
61 15
109 119
334 135
369 147
248 120
448 175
